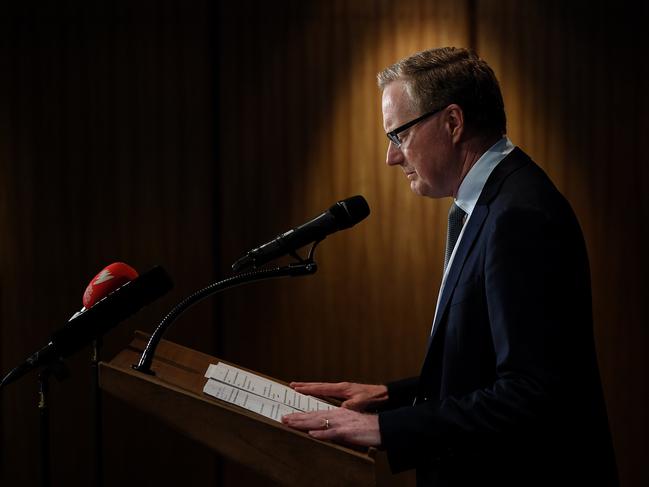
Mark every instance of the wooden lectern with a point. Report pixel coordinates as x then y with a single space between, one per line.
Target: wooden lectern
175 395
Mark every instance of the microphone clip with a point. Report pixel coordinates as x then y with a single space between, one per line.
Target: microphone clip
58 369
309 260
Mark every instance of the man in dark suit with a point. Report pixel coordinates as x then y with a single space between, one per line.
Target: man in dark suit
509 392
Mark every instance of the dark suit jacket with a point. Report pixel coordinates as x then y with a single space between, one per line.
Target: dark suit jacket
509 392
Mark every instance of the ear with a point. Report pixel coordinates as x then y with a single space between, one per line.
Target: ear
455 122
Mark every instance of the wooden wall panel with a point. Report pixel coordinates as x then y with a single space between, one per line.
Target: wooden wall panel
301 125
301 128
575 92
106 154
574 97
124 92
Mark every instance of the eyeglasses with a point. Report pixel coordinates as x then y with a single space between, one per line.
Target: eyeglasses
393 135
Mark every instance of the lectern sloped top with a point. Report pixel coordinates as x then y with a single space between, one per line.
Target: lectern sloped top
175 395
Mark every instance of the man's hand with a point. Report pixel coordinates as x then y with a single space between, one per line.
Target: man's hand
340 425
359 397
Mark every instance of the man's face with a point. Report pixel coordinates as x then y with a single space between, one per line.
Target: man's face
426 152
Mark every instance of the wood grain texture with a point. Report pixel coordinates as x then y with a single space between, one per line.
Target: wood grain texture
175 396
106 152
301 129
568 70
110 149
310 104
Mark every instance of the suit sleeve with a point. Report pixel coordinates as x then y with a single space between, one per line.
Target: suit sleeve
533 271
400 393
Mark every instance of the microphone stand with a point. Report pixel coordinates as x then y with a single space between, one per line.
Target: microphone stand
69 339
95 393
302 268
60 371
45 473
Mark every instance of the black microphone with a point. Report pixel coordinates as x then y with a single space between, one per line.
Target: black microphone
343 214
94 322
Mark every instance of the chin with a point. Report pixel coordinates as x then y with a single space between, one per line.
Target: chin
423 190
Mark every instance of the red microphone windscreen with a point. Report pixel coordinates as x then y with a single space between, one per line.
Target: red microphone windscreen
104 283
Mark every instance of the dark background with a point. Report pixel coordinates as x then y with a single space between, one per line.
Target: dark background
184 132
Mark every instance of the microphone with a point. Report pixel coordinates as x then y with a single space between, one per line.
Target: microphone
344 214
108 280
104 314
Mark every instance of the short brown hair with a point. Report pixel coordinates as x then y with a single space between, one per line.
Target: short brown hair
439 77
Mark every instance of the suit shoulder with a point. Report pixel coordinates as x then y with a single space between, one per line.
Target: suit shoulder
522 184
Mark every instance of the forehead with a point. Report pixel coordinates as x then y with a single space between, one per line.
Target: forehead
396 105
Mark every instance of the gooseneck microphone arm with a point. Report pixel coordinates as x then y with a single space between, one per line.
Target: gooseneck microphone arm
303 268
344 214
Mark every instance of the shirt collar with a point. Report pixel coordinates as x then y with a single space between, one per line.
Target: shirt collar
473 183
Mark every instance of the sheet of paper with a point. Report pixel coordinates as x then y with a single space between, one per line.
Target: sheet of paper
254 385
266 407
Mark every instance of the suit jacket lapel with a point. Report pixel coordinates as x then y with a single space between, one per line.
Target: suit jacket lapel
473 227
509 164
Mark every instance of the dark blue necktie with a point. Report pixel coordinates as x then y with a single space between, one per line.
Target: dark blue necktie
455 221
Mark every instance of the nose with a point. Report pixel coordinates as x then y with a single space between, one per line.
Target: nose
394 155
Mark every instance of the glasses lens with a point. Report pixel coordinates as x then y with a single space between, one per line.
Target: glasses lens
394 138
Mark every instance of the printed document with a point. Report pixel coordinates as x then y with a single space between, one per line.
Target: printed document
258 394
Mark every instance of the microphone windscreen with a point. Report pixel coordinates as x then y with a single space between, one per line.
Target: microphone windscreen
108 280
350 211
